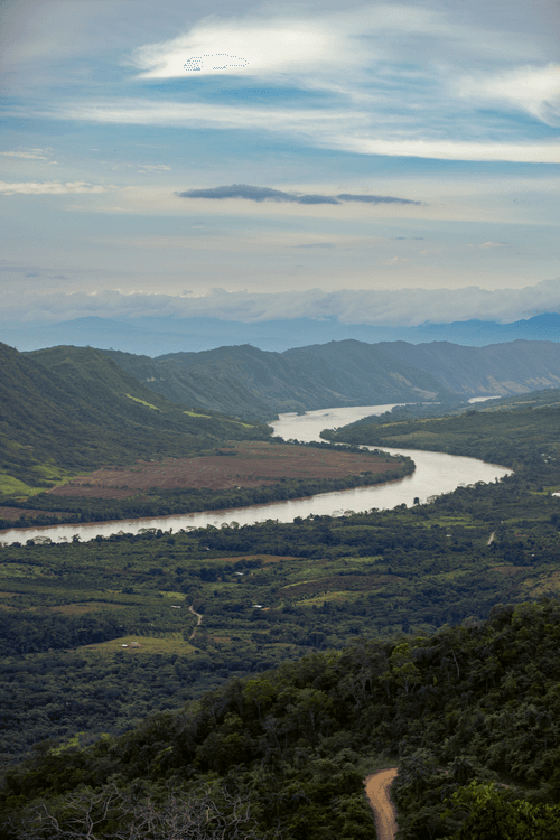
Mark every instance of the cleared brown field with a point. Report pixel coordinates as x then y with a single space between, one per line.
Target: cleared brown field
11 514
253 464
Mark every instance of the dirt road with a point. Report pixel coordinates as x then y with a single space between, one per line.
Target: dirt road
199 617
379 797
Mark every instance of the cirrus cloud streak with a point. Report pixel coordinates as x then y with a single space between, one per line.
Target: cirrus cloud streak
52 188
344 130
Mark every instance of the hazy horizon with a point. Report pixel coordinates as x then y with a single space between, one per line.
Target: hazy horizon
391 165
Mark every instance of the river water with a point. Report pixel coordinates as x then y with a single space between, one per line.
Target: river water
435 473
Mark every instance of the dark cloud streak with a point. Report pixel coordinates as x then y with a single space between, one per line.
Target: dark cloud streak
377 199
239 191
316 245
260 194
316 199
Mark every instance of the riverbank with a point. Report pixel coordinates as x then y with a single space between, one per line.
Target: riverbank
309 471
436 473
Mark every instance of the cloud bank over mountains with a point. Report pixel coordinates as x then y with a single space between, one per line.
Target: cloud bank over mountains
395 307
260 194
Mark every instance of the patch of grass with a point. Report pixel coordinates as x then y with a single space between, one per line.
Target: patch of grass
207 417
72 742
143 402
172 643
10 486
546 584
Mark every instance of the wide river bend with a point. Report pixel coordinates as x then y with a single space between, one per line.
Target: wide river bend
435 473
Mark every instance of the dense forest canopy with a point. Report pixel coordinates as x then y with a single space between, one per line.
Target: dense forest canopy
471 713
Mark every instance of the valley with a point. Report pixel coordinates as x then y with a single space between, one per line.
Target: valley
279 421
337 638
255 384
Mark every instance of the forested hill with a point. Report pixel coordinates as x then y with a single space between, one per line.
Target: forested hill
472 714
249 382
255 384
495 369
68 409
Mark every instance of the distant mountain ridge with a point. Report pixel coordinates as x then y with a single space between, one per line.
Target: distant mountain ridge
155 336
248 382
512 368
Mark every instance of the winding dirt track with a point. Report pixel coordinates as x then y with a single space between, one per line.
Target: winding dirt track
199 617
379 797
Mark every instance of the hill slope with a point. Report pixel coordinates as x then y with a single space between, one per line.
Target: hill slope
511 368
245 381
252 383
66 409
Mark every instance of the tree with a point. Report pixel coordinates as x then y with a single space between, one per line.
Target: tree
210 814
491 816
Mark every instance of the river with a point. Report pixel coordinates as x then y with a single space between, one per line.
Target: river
435 473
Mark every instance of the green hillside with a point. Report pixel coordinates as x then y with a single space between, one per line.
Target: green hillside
509 368
255 384
249 382
65 410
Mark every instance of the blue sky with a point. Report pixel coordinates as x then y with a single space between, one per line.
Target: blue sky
258 161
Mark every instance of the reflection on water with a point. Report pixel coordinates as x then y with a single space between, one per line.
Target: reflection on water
435 473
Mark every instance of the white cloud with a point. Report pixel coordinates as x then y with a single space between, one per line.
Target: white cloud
382 307
52 188
332 45
343 129
27 155
258 47
454 149
153 168
533 89
399 76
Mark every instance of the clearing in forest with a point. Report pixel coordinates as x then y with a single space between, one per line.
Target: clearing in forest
242 464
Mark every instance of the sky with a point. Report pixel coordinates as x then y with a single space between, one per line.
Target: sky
391 163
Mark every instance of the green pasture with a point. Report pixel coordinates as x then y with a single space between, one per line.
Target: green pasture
144 402
164 645
194 414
